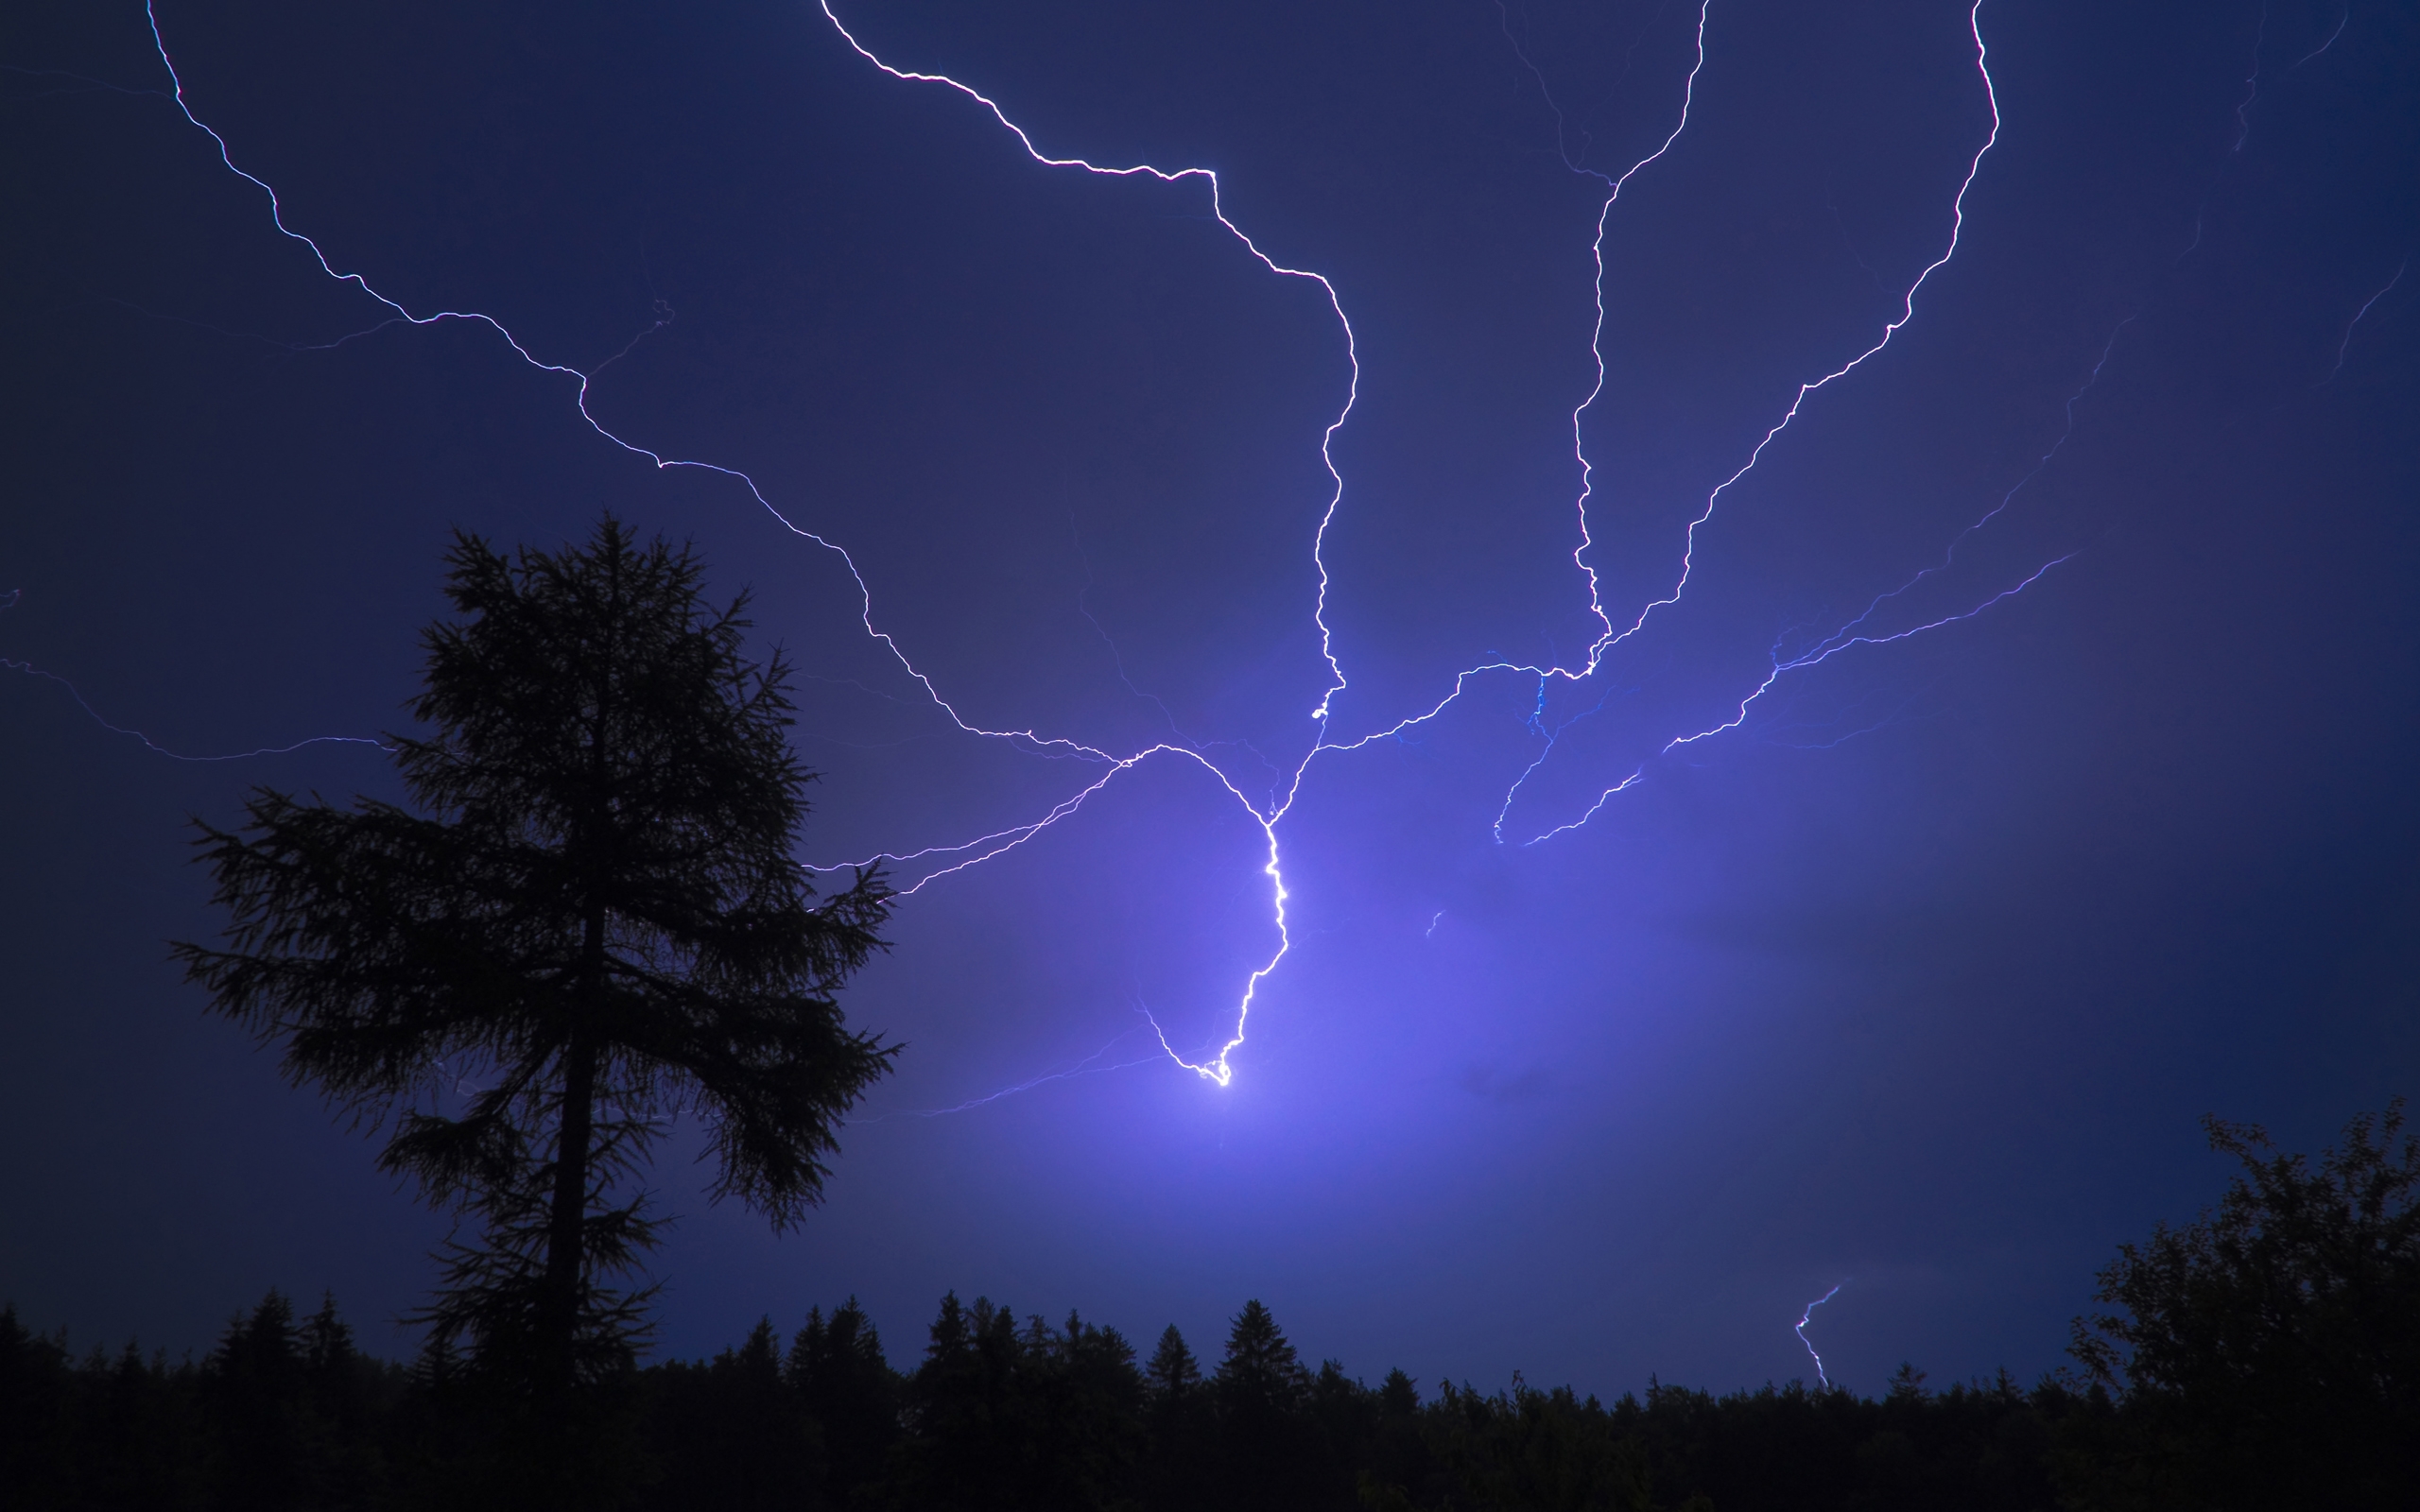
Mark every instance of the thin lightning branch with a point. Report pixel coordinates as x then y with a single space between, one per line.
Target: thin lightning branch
1949 553
1739 715
1804 1318
2342 22
294 346
1117 659
1630 56
1898 712
2346 345
1086 1067
2242 124
29 669
1832 204
91 84
2252 81
148 744
1504 810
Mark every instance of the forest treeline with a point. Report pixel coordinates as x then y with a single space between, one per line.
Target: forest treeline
1000 1413
2264 1356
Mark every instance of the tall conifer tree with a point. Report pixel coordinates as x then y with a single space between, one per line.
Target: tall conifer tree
589 920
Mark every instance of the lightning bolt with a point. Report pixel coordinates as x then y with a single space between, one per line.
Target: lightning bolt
935 862
1807 1317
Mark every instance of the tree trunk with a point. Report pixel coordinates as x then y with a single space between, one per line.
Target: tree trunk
567 1222
566 1226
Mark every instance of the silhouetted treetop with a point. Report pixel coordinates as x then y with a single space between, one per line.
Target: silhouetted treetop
1260 1365
2276 1333
1172 1371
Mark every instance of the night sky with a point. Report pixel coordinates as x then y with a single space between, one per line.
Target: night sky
1915 981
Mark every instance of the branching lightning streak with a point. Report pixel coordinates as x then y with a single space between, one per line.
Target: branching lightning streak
1268 815
1807 1317
1611 637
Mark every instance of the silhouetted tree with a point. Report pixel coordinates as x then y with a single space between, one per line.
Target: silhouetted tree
253 1390
1173 1373
969 1423
1003 1419
1092 1399
850 1394
1396 1461
594 923
2268 1354
349 1393
36 1449
1545 1451
1260 1390
731 1434
1179 1469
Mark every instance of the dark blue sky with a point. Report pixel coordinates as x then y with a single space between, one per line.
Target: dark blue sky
1916 980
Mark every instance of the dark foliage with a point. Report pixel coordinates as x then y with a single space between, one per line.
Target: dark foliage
591 922
2268 1354
279 1416
1000 1414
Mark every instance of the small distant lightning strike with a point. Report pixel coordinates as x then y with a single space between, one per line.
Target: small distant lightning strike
1807 1317
944 861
